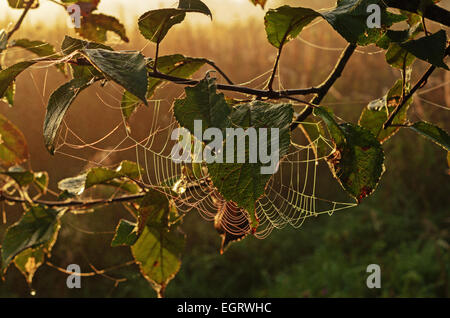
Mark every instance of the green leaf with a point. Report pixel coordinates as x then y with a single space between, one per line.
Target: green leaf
21 4
377 112
315 133
155 24
126 234
3 40
86 6
127 69
244 183
158 253
286 23
433 133
40 48
37 227
349 19
103 176
29 261
429 48
155 211
73 186
9 94
71 45
58 104
194 6
358 165
94 27
174 65
7 76
334 129
13 146
20 175
398 57
41 180
202 103
100 175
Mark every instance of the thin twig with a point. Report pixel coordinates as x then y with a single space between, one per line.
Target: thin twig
19 22
225 87
218 69
90 274
73 203
420 83
275 67
156 58
323 89
239 89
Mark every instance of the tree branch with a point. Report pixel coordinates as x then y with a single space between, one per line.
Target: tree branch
218 69
19 22
416 87
239 89
275 67
431 12
323 89
74 203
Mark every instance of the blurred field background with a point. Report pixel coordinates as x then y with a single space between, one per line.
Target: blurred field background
403 227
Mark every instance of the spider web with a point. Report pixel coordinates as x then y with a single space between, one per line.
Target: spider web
291 195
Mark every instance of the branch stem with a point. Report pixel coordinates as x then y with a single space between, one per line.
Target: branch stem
218 69
420 83
323 89
19 22
275 68
73 203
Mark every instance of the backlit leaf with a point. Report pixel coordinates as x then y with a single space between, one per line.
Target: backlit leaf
13 146
58 104
244 183
398 57
194 6
203 103
126 234
285 23
155 24
95 26
429 48
175 65
158 253
377 112
7 76
36 227
433 133
104 176
71 45
127 69
358 165
21 4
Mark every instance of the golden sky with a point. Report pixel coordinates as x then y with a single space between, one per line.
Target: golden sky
128 10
